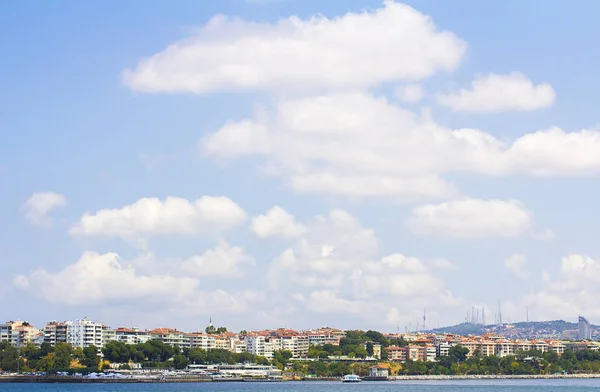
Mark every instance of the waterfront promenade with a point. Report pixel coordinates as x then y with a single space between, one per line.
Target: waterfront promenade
196 378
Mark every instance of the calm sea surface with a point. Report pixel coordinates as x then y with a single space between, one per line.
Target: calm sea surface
402 386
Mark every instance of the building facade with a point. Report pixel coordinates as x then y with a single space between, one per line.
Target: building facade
85 333
585 332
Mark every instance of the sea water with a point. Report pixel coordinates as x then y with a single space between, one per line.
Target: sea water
314 386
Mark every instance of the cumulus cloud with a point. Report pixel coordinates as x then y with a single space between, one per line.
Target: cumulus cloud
39 205
277 222
334 267
444 264
107 281
411 93
499 93
101 278
516 264
349 51
224 260
469 218
153 217
356 144
569 293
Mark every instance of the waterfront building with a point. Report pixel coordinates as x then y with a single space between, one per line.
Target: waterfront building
297 344
85 333
171 336
396 354
585 332
202 340
259 345
19 333
55 332
131 335
108 334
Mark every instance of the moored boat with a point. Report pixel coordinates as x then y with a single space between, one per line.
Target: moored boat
351 378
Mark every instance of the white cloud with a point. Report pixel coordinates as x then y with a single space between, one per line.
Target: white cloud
444 264
334 268
39 205
516 265
277 222
411 93
150 216
101 278
471 218
349 51
495 93
359 145
223 261
572 292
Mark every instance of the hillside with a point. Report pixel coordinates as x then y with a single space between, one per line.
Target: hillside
523 330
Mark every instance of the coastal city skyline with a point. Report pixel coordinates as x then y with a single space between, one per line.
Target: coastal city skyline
365 164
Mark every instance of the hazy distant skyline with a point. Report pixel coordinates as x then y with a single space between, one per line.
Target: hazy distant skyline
299 163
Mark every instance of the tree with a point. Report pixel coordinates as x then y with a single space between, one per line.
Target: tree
90 357
180 361
378 338
369 349
197 356
118 352
458 353
63 352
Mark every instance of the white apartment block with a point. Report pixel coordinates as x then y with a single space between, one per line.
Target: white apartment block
131 335
108 334
297 344
259 345
171 336
202 340
430 353
238 346
325 336
6 332
84 333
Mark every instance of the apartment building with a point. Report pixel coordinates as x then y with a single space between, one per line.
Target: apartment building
108 334
55 332
171 336
20 333
202 340
6 331
131 335
85 333
376 349
259 345
297 344
325 336
443 348
396 353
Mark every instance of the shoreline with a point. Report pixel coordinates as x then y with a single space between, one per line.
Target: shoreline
495 377
184 379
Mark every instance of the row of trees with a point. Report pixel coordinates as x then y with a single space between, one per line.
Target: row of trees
155 353
47 358
522 363
457 363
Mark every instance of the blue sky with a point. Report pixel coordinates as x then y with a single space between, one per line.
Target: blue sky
298 163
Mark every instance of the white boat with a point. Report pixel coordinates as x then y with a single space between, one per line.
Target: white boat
351 378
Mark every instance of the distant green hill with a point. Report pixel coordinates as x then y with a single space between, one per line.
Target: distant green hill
531 329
